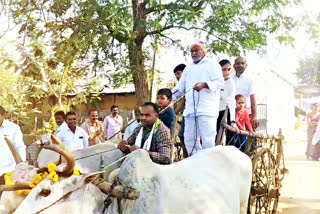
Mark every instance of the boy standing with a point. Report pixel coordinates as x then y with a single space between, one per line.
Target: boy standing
242 121
164 97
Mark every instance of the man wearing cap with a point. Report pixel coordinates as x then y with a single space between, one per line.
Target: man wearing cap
200 82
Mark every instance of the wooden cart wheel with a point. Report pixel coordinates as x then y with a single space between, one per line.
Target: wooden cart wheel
264 189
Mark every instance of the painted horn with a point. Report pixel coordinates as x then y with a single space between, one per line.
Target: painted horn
13 150
68 170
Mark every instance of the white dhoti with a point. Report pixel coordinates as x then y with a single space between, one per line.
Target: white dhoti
206 130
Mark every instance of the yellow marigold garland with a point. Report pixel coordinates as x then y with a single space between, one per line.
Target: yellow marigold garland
76 172
52 167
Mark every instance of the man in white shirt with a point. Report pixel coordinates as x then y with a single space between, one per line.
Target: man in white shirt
227 100
60 118
113 124
244 86
200 82
73 137
13 133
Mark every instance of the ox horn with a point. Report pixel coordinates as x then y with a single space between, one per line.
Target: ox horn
14 187
13 150
55 140
118 191
68 170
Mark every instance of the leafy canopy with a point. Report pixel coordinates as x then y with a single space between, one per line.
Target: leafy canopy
100 32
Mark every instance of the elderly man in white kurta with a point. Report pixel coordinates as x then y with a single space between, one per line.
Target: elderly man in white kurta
200 82
12 132
73 137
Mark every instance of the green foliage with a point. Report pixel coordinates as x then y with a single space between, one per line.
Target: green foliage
41 83
13 94
48 127
82 36
308 71
91 29
95 100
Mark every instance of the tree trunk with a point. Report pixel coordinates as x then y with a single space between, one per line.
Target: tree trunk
139 73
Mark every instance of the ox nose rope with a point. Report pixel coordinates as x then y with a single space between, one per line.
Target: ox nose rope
107 202
195 109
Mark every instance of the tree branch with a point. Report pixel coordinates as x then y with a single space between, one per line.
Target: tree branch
176 6
118 36
173 41
161 30
201 29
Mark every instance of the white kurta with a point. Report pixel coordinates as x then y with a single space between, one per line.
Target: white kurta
13 132
227 98
203 104
74 141
205 71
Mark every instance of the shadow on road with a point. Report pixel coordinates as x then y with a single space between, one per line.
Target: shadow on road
300 206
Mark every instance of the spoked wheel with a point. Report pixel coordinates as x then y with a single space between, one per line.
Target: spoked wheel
265 187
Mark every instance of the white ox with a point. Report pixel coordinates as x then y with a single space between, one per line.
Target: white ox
87 160
215 180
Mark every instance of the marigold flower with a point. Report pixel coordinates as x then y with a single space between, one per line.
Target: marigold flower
36 180
76 172
23 192
54 176
52 167
9 173
44 175
8 179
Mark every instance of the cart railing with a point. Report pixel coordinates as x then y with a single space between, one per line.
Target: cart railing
266 154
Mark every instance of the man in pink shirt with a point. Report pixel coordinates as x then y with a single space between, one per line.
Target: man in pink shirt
113 123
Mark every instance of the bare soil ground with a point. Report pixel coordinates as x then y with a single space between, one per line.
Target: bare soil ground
300 193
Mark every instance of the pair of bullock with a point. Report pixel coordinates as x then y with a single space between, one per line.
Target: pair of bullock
215 180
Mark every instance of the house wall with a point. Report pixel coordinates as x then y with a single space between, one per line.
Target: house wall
126 102
279 97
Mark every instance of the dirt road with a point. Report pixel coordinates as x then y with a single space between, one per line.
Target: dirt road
300 193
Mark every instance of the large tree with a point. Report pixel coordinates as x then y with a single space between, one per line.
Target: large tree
308 72
120 32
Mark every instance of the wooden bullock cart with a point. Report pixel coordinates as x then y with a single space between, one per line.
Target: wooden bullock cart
266 153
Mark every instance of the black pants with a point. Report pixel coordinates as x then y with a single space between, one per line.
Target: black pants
229 134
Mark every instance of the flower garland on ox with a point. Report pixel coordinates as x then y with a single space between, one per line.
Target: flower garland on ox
53 176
